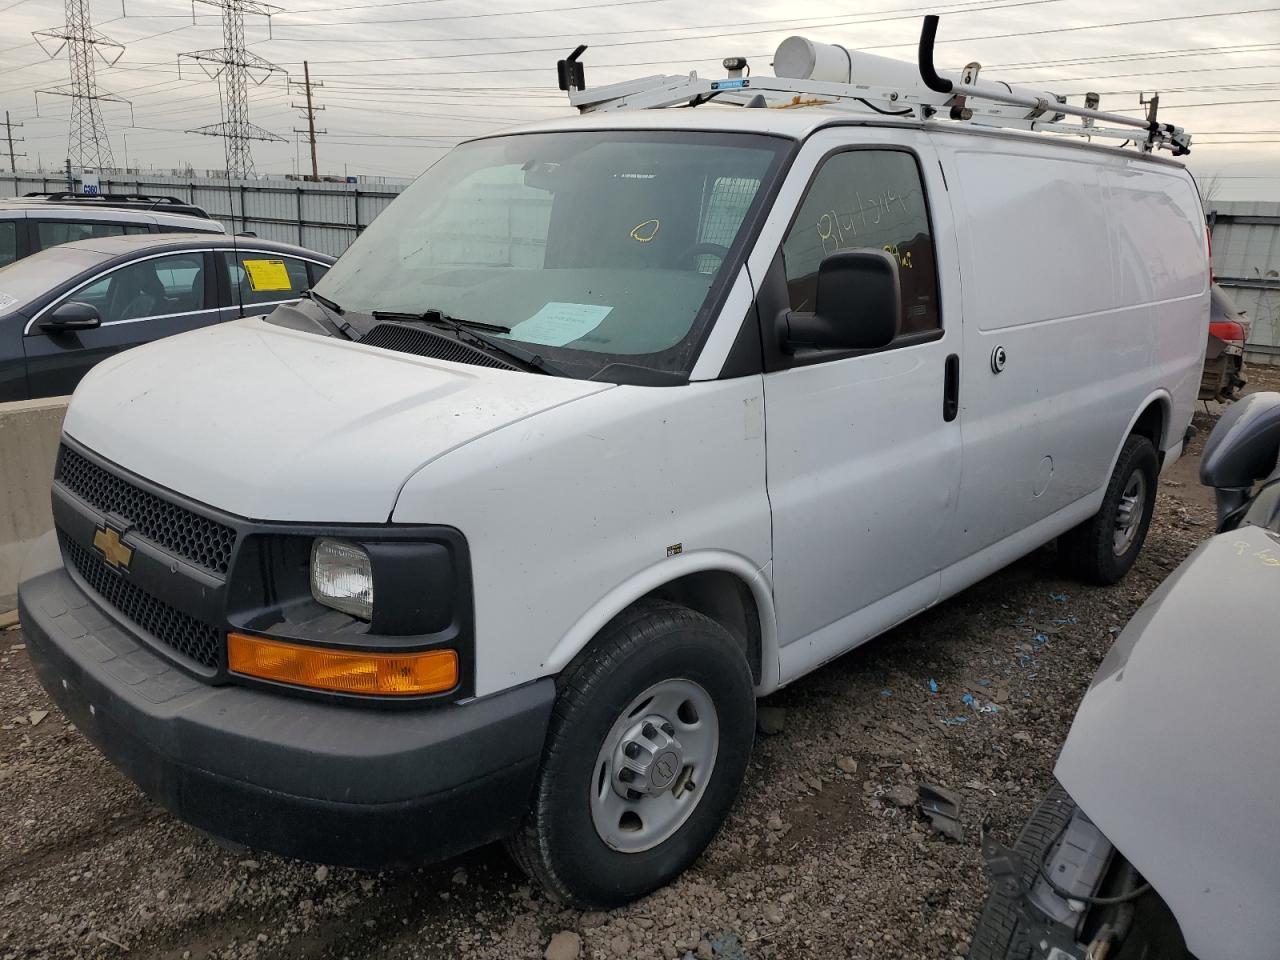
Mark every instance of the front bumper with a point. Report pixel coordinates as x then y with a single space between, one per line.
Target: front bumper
325 782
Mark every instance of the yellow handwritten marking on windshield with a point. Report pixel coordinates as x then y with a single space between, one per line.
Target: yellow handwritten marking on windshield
267 275
639 233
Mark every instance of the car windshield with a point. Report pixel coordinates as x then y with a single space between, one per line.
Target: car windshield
24 280
593 247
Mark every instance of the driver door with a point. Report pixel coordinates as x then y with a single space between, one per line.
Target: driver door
864 447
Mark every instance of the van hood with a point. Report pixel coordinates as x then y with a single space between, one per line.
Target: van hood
274 424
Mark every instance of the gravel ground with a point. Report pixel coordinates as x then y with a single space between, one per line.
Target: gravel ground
817 860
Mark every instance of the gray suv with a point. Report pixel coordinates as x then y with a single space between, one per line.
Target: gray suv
38 221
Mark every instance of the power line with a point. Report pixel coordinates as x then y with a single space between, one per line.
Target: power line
1139 55
724 26
884 46
722 30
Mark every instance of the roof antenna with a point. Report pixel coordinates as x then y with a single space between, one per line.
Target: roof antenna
758 101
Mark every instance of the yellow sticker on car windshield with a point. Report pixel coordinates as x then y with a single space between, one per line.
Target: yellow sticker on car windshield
267 275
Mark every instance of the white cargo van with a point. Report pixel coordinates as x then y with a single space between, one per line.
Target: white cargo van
606 427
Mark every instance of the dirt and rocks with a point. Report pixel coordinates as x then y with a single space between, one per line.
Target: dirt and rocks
825 855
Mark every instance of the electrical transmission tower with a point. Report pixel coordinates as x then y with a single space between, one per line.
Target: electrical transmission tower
235 66
87 145
309 111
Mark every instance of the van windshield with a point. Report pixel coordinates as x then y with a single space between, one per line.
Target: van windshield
592 247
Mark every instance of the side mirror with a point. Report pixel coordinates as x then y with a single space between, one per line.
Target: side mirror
858 305
1242 449
69 316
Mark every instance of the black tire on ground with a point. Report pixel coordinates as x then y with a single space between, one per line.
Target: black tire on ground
558 844
1000 933
1089 549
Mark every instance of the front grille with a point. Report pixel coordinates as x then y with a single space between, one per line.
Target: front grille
424 343
198 539
183 632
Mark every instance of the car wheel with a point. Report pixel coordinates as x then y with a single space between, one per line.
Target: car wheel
1001 931
647 747
1103 548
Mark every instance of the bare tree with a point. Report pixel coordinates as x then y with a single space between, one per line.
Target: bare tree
1209 187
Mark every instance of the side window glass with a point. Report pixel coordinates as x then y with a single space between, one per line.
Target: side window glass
859 199
8 241
51 233
318 270
131 229
265 277
148 288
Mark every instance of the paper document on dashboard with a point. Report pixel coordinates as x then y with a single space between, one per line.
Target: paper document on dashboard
558 324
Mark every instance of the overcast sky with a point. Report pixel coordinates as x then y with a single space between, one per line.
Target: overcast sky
405 78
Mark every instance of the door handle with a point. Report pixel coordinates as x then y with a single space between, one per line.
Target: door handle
951 388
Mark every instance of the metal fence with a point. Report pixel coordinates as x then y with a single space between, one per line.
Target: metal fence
320 216
1246 260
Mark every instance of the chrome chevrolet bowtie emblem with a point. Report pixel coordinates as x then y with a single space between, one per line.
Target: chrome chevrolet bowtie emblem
107 541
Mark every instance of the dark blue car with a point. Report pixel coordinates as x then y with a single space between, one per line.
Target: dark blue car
64 309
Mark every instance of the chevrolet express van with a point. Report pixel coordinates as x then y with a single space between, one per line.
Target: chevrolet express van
605 428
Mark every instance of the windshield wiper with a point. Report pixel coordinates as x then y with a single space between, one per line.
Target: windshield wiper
469 330
333 313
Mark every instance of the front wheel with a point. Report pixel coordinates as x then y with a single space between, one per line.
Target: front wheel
647 747
1001 933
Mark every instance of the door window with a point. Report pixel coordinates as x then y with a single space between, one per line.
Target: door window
265 277
8 241
860 199
51 233
148 288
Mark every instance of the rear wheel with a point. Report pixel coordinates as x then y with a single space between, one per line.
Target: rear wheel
1103 548
646 750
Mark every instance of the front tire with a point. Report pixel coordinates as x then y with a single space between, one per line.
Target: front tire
647 748
1103 548
1001 933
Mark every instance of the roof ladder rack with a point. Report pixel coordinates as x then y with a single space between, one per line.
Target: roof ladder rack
829 75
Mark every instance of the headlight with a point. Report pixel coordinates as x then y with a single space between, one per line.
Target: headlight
342 577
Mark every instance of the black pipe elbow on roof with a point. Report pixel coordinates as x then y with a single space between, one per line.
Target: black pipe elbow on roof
928 32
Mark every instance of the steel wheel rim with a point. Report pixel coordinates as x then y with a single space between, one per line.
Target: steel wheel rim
654 765
1129 513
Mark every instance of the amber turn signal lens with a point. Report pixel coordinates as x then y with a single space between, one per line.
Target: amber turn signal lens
346 671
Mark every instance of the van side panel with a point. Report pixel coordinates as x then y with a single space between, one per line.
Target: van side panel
1161 259
1088 337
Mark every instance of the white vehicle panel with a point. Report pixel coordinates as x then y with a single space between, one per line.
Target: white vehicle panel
586 502
863 471
268 423
1041 284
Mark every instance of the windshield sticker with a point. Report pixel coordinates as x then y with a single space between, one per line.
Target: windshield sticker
558 324
267 275
6 300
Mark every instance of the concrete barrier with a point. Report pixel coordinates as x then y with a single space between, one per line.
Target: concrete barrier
29 431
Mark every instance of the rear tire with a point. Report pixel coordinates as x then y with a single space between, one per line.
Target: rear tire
1103 548
1000 933
670 689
